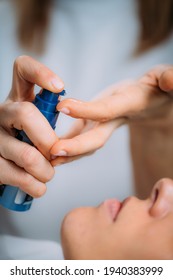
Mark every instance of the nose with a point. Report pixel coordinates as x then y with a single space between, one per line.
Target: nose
164 187
162 197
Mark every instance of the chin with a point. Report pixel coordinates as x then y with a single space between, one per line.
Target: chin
71 238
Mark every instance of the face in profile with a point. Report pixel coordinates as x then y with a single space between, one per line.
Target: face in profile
132 229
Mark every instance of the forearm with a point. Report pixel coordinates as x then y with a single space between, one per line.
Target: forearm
152 155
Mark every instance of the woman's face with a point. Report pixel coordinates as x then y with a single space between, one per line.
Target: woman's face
132 229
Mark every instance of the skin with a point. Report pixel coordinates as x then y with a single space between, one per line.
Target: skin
147 99
23 165
146 105
133 229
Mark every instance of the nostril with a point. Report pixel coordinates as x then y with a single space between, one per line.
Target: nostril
156 193
161 188
162 198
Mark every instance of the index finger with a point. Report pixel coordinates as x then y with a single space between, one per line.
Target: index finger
26 73
124 99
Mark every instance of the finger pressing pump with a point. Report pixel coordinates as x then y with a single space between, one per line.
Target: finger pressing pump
12 197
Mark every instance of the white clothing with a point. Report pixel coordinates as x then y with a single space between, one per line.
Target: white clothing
90 46
18 248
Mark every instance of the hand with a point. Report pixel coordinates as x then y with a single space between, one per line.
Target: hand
147 101
21 164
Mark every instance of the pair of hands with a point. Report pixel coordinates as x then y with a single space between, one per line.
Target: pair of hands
147 101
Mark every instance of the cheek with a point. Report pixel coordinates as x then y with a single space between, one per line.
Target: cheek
159 239
78 233
160 209
86 235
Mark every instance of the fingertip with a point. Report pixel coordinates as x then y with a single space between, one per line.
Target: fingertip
64 110
54 162
61 153
72 107
37 190
56 84
166 80
64 106
40 190
57 150
60 149
34 72
53 149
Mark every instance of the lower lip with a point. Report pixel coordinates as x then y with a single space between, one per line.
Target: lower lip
113 207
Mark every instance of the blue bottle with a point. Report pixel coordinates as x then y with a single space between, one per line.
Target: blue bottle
12 197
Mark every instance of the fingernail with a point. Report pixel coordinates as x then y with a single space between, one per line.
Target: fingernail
57 84
61 153
64 110
53 157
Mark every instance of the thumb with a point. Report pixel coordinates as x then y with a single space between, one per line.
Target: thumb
26 73
166 80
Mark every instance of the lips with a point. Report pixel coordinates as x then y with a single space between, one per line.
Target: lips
113 207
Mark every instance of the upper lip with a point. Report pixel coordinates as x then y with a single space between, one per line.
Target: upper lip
125 201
